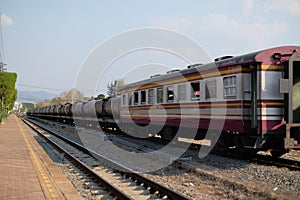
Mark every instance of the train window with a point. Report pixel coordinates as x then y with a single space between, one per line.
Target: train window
195 90
160 95
151 96
181 92
211 89
136 98
129 99
124 100
230 87
143 97
170 94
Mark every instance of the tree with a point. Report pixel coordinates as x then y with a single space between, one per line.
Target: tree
70 96
58 101
100 96
8 93
114 86
26 106
73 95
42 104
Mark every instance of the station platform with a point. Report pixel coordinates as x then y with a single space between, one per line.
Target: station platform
26 171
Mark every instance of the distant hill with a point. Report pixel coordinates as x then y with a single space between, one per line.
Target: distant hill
34 96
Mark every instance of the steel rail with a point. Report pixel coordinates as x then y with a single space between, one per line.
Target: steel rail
148 183
113 191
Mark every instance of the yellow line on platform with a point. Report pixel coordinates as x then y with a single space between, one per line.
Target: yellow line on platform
48 186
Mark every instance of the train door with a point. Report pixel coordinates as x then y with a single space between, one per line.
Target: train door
253 112
249 96
290 85
296 92
246 95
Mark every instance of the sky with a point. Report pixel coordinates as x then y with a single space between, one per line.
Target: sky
48 42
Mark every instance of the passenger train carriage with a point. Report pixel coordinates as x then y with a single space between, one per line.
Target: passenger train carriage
256 98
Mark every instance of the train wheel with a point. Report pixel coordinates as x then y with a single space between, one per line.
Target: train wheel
168 133
244 145
276 145
223 143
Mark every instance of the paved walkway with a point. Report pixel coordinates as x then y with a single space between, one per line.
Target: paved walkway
25 169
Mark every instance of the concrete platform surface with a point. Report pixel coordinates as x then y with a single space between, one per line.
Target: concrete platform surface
26 171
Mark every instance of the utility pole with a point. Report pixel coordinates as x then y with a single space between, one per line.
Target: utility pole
2 58
2 109
3 67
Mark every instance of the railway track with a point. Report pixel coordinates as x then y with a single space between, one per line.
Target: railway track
258 158
118 182
278 162
189 166
263 159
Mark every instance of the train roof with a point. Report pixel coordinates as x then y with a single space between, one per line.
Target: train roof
263 56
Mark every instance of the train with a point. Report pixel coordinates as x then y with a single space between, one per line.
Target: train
255 97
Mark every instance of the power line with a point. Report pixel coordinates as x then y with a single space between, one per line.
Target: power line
32 99
56 89
38 87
